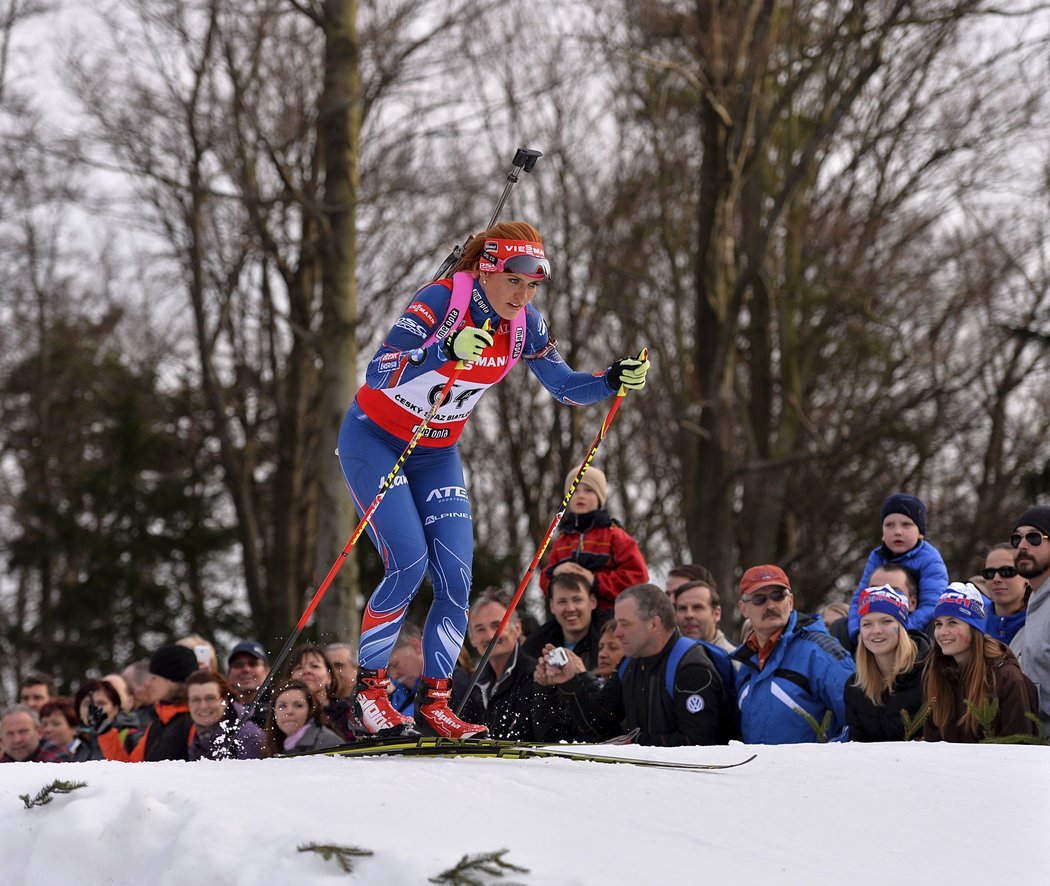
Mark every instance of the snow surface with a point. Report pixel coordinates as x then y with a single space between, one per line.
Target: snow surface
805 814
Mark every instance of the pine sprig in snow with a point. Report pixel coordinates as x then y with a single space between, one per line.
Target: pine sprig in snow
46 794
345 855
464 873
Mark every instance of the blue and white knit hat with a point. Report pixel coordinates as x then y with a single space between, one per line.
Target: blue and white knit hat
884 599
963 601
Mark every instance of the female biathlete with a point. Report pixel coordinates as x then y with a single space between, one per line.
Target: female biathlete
424 522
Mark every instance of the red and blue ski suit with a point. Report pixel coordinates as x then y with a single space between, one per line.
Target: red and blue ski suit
424 522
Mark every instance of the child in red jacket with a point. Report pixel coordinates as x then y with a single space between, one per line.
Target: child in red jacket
594 545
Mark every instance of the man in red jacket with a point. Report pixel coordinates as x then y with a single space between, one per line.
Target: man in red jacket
592 544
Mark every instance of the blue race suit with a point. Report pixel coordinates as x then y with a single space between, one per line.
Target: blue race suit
424 522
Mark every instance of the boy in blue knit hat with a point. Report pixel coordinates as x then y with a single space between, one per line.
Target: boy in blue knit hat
904 544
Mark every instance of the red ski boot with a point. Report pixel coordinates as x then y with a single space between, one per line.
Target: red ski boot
372 705
435 717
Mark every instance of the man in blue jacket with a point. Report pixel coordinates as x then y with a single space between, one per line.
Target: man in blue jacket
788 664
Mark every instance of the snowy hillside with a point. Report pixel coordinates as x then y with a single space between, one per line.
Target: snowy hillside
857 814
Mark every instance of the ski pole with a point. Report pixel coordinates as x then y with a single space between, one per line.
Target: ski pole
524 160
541 550
384 487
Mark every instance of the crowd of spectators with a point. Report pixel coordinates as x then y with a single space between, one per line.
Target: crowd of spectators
912 655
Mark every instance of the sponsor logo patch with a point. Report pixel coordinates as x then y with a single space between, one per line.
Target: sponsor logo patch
433 433
421 310
480 302
411 326
694 704
450 321
490 361
447 492
399 480
433 518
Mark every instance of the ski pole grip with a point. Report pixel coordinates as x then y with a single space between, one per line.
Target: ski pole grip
525 158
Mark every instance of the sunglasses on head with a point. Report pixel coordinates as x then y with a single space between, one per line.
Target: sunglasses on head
527 265
1034 539
760 599
1005 571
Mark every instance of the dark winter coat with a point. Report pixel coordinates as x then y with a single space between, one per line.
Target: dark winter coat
125 724
341 720
868 721
166 738
316 738
226 740
698 713
1017 696
503 705
550 632
599 543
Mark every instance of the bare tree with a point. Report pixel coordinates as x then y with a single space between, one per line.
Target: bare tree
266 137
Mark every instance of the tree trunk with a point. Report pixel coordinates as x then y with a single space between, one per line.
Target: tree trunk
339 140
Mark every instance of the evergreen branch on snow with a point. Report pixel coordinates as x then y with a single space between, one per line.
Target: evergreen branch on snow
345 855
46 794
913 725
469 866
985 715
819 729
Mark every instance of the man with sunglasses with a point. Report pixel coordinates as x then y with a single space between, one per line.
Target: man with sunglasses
1031 540
789 663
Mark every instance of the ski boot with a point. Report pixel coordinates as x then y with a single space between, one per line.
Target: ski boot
435 717
372 708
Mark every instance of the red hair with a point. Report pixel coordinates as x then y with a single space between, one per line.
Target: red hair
515 230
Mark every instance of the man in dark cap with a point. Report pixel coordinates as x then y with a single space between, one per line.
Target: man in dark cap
1031 540
247 669
167 735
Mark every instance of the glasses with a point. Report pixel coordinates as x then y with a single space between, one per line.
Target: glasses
1005 571
526 264
205 699
760 599
1033 539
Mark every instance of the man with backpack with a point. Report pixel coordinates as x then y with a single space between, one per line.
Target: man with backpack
669 690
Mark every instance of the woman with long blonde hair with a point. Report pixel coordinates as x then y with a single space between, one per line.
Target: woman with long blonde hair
971 677
888 682
469 331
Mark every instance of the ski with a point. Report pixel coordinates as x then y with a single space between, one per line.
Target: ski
433 746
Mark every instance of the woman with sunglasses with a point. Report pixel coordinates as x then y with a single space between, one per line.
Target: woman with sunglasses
1008 592
971 677
476 324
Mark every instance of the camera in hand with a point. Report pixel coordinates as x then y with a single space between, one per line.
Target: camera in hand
557 658
96 717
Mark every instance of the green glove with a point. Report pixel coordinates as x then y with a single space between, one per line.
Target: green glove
467 343
628 373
